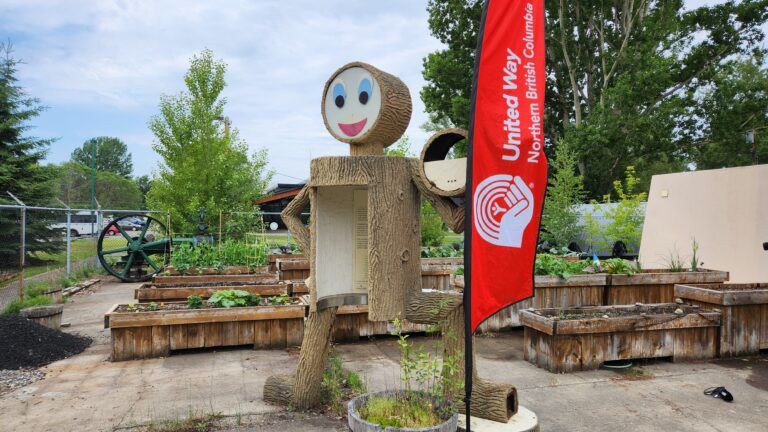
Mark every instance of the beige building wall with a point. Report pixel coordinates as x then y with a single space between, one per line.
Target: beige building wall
725 210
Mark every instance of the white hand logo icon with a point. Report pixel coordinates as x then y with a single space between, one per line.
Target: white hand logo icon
519 200
503 208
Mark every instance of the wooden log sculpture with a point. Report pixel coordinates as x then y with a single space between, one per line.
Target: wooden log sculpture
370 110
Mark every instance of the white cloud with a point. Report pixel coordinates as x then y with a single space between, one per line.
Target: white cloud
121 55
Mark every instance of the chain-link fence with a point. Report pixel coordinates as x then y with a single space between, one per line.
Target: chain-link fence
56 244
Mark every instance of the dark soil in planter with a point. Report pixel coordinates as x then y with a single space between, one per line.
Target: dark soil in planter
572 314
160 306
731 287
27 344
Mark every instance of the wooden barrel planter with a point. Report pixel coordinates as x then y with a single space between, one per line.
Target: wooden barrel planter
48 316
551 292
574 339
655 286
173 293
145 334
200 280
352 323
229 270
744 309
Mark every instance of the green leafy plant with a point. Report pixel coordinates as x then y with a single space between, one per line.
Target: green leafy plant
618 266
228 253
554 265
625 218
441 252
233 298
459 271
279 300
194 302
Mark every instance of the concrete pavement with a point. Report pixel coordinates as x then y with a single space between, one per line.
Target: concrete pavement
89 393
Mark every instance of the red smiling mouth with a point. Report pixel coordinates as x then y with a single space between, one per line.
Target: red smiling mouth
352 129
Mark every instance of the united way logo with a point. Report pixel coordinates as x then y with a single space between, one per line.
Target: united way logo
503 208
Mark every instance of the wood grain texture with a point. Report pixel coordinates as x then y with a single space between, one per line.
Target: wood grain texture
394 114
445 139
314 352
451 213
393 226
291 216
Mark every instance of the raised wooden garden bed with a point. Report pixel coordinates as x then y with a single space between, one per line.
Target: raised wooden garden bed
199 280
297 287
352 323
437 276
655 286
551 292
292 269
173 293
229 270
573 339
272 259
452 261
744 308
144 334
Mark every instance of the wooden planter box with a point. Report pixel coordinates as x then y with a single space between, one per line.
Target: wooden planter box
272 259
352 323
437 276
200 280
551 292
744 308
583 343
137 335
229 270
161 293
297 288
292 269
655 286
452 261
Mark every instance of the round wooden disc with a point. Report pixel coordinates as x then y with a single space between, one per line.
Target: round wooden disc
436 148
394 114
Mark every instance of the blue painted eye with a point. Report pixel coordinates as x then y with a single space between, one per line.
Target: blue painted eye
339 95
364 91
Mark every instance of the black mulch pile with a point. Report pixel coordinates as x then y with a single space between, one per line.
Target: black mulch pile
25 344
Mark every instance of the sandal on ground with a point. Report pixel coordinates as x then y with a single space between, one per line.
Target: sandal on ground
719 393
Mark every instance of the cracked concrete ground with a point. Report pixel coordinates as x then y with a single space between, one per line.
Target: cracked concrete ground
89 393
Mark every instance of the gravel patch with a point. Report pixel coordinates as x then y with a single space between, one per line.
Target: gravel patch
12 379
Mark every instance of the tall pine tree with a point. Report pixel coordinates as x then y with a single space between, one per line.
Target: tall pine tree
20 169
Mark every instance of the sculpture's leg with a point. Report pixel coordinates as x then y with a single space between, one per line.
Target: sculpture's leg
302 390
490 400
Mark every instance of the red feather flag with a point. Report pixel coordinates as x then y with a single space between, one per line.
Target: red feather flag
507 168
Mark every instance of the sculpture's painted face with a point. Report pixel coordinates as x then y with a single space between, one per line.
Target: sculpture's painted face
352 103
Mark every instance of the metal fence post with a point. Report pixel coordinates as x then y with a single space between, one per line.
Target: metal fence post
23 249
69 237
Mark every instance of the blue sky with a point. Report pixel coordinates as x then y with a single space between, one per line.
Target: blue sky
100 66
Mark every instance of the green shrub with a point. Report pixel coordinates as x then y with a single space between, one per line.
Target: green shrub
432 231
440 252
17 305
548 264
229 253
625 220
37 288
560 220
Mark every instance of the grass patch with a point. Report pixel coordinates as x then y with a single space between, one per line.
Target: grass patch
412 411
339 385
192 423
17 305
81 249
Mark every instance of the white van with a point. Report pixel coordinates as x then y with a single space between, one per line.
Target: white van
81 223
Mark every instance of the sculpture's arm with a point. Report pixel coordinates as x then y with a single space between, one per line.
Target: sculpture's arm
292 217
452 214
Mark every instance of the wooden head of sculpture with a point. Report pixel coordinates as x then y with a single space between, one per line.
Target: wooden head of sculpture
366 108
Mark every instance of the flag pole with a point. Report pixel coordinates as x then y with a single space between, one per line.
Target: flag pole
468 227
